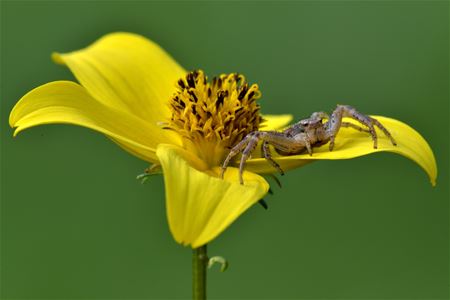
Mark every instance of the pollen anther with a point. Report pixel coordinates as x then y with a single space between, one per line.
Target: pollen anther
217 114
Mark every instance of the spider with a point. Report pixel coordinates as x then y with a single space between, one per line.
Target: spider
303 135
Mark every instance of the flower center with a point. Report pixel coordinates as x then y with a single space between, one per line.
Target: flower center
213 116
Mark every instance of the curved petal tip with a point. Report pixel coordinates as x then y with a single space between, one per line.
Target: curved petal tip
199 205
351 143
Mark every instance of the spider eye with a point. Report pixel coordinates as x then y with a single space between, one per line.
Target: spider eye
304 122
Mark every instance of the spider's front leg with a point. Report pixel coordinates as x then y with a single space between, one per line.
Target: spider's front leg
246 146
335 123
265 150
283 142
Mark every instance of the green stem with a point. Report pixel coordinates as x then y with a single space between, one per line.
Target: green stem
199 263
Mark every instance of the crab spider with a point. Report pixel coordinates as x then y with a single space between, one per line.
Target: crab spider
304 135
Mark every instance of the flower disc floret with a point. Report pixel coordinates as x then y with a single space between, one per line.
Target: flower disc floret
213 116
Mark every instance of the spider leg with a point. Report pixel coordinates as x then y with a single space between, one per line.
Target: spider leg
319 115
385 131
281 141
354 126
308 145
253 141
268 155
335 122
233 152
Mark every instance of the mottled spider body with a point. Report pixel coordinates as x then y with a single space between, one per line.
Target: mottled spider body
315 131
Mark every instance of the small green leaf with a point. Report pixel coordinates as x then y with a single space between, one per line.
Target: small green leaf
149 172
218 259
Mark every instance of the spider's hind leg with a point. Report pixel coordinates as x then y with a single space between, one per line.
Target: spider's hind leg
385 131
354 126
341 111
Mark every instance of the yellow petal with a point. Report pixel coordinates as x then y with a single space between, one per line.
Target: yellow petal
199 205
351 143
127 72
69 103
275 122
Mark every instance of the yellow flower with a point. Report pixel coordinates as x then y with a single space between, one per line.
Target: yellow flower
132 91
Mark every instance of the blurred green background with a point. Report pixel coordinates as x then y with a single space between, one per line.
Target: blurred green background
75 223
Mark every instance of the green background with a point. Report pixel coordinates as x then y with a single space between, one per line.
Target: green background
76 224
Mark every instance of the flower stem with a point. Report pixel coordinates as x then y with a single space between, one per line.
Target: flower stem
199 263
